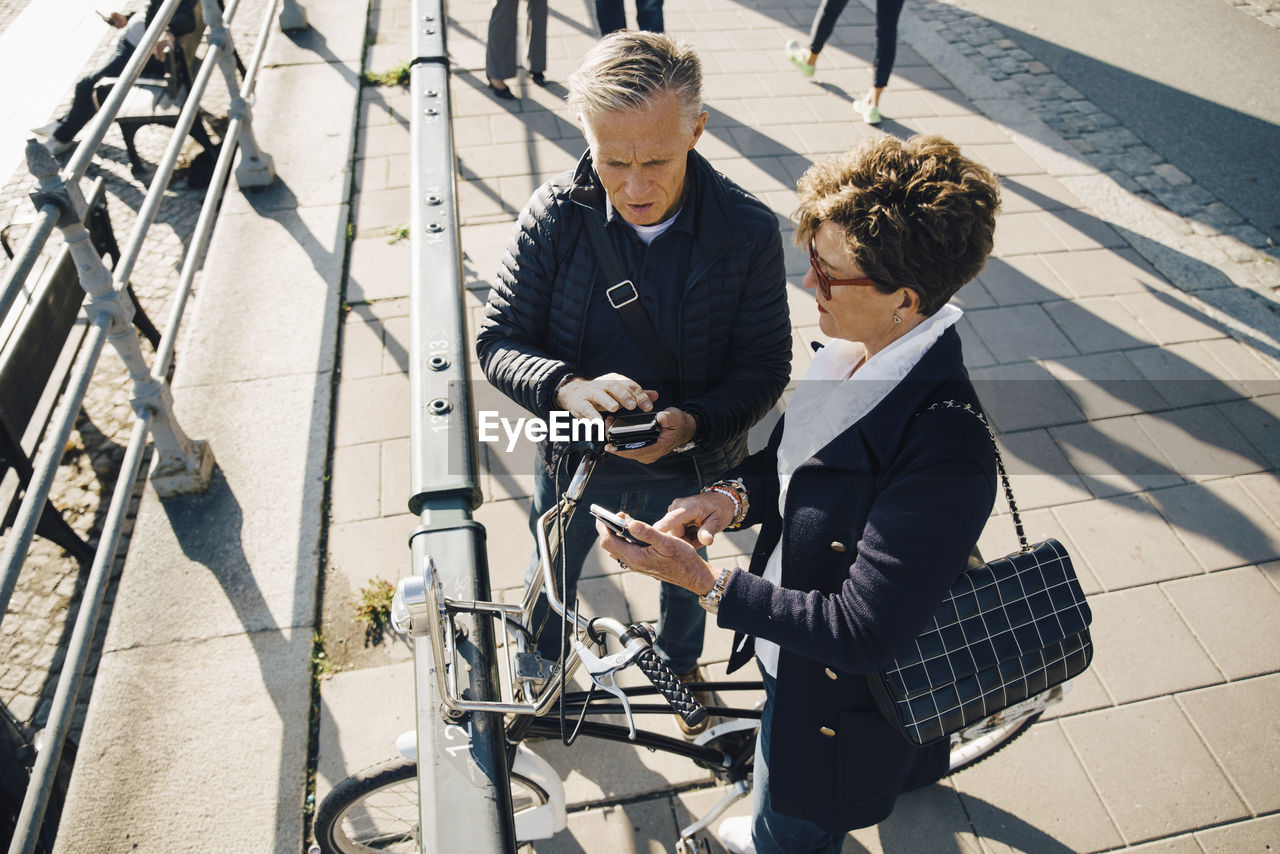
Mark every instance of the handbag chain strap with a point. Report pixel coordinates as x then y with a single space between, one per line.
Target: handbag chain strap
1023 546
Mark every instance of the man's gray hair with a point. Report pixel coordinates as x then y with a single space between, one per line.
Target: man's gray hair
625 70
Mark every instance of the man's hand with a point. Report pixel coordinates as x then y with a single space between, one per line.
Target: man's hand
677 426
163 45
699 516
587 399
667 558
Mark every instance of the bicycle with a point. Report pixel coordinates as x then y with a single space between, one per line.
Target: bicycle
376 810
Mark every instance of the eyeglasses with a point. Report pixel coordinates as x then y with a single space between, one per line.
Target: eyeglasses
825 282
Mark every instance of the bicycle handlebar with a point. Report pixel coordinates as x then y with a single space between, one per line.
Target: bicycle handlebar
669 686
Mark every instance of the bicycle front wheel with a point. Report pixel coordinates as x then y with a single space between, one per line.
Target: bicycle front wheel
376 810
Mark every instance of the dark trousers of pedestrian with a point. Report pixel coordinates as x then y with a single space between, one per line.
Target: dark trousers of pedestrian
500 50
887 14
83 107
681 620
611 15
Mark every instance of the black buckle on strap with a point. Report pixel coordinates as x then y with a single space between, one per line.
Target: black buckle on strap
624 298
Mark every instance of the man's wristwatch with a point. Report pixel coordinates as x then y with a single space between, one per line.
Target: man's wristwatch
710 600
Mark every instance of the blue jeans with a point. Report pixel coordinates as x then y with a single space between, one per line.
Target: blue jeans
681 619
772 832
611 16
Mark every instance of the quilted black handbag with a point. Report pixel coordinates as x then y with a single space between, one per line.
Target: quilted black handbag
1008 629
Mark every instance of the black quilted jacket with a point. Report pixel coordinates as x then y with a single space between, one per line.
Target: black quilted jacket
735 347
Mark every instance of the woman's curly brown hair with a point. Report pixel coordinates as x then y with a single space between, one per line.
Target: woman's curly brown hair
914 214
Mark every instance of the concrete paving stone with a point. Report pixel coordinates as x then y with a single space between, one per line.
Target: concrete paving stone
1105 385
384 105
976 354
1024 234
361 347
1040 474
1235 614
361 714
482 202
518 158
1102 272
389 52
382 141
483 247
371 409
1022 396
1035 796
394 480
328 37
965 130
1258 834
379 267
371 173
1125 542
603 596
1152 793
1219 522
778 142
1021 332
355 487
508 543
299 253
1246 364
1004 159
1238 723
379 211
1021 279
1079 230
1099 324
474 131
242 556
1035 192
1163 658
796 113
1171 317
755 176
371 548
1265 489
151 751
319 172
398 171
1114 456
973 296
1259 421
1175 845
644 826
396 335
1186 374
1202 443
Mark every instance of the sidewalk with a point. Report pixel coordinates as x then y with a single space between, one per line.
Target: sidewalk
1153 456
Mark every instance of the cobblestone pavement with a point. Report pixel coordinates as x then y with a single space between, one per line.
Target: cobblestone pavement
1212 231
1263 10
39 620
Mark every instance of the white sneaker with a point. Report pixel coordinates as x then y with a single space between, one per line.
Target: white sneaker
870 114
56 146
735 835
46 130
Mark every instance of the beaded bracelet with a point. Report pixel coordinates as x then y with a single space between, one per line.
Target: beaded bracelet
737 493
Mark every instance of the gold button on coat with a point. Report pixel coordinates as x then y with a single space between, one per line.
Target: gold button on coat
838 546
831 674
827 731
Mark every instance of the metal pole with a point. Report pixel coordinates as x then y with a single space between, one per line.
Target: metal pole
184 465
256 168
464 796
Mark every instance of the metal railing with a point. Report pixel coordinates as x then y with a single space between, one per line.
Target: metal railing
464 796
183 464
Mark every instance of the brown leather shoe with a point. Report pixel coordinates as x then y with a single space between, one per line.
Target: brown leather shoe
703 697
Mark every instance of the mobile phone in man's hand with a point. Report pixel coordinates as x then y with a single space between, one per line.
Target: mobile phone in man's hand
633 430
615 523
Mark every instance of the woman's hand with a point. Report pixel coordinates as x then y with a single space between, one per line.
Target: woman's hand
666 558
699 516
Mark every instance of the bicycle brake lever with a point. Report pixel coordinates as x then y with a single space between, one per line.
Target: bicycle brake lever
601 669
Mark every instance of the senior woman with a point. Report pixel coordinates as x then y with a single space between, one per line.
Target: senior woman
869 501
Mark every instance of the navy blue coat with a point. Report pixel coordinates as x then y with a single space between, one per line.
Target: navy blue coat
878 524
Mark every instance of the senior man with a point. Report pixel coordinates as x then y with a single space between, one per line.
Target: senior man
701 259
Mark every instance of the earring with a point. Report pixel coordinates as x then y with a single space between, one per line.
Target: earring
896 319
